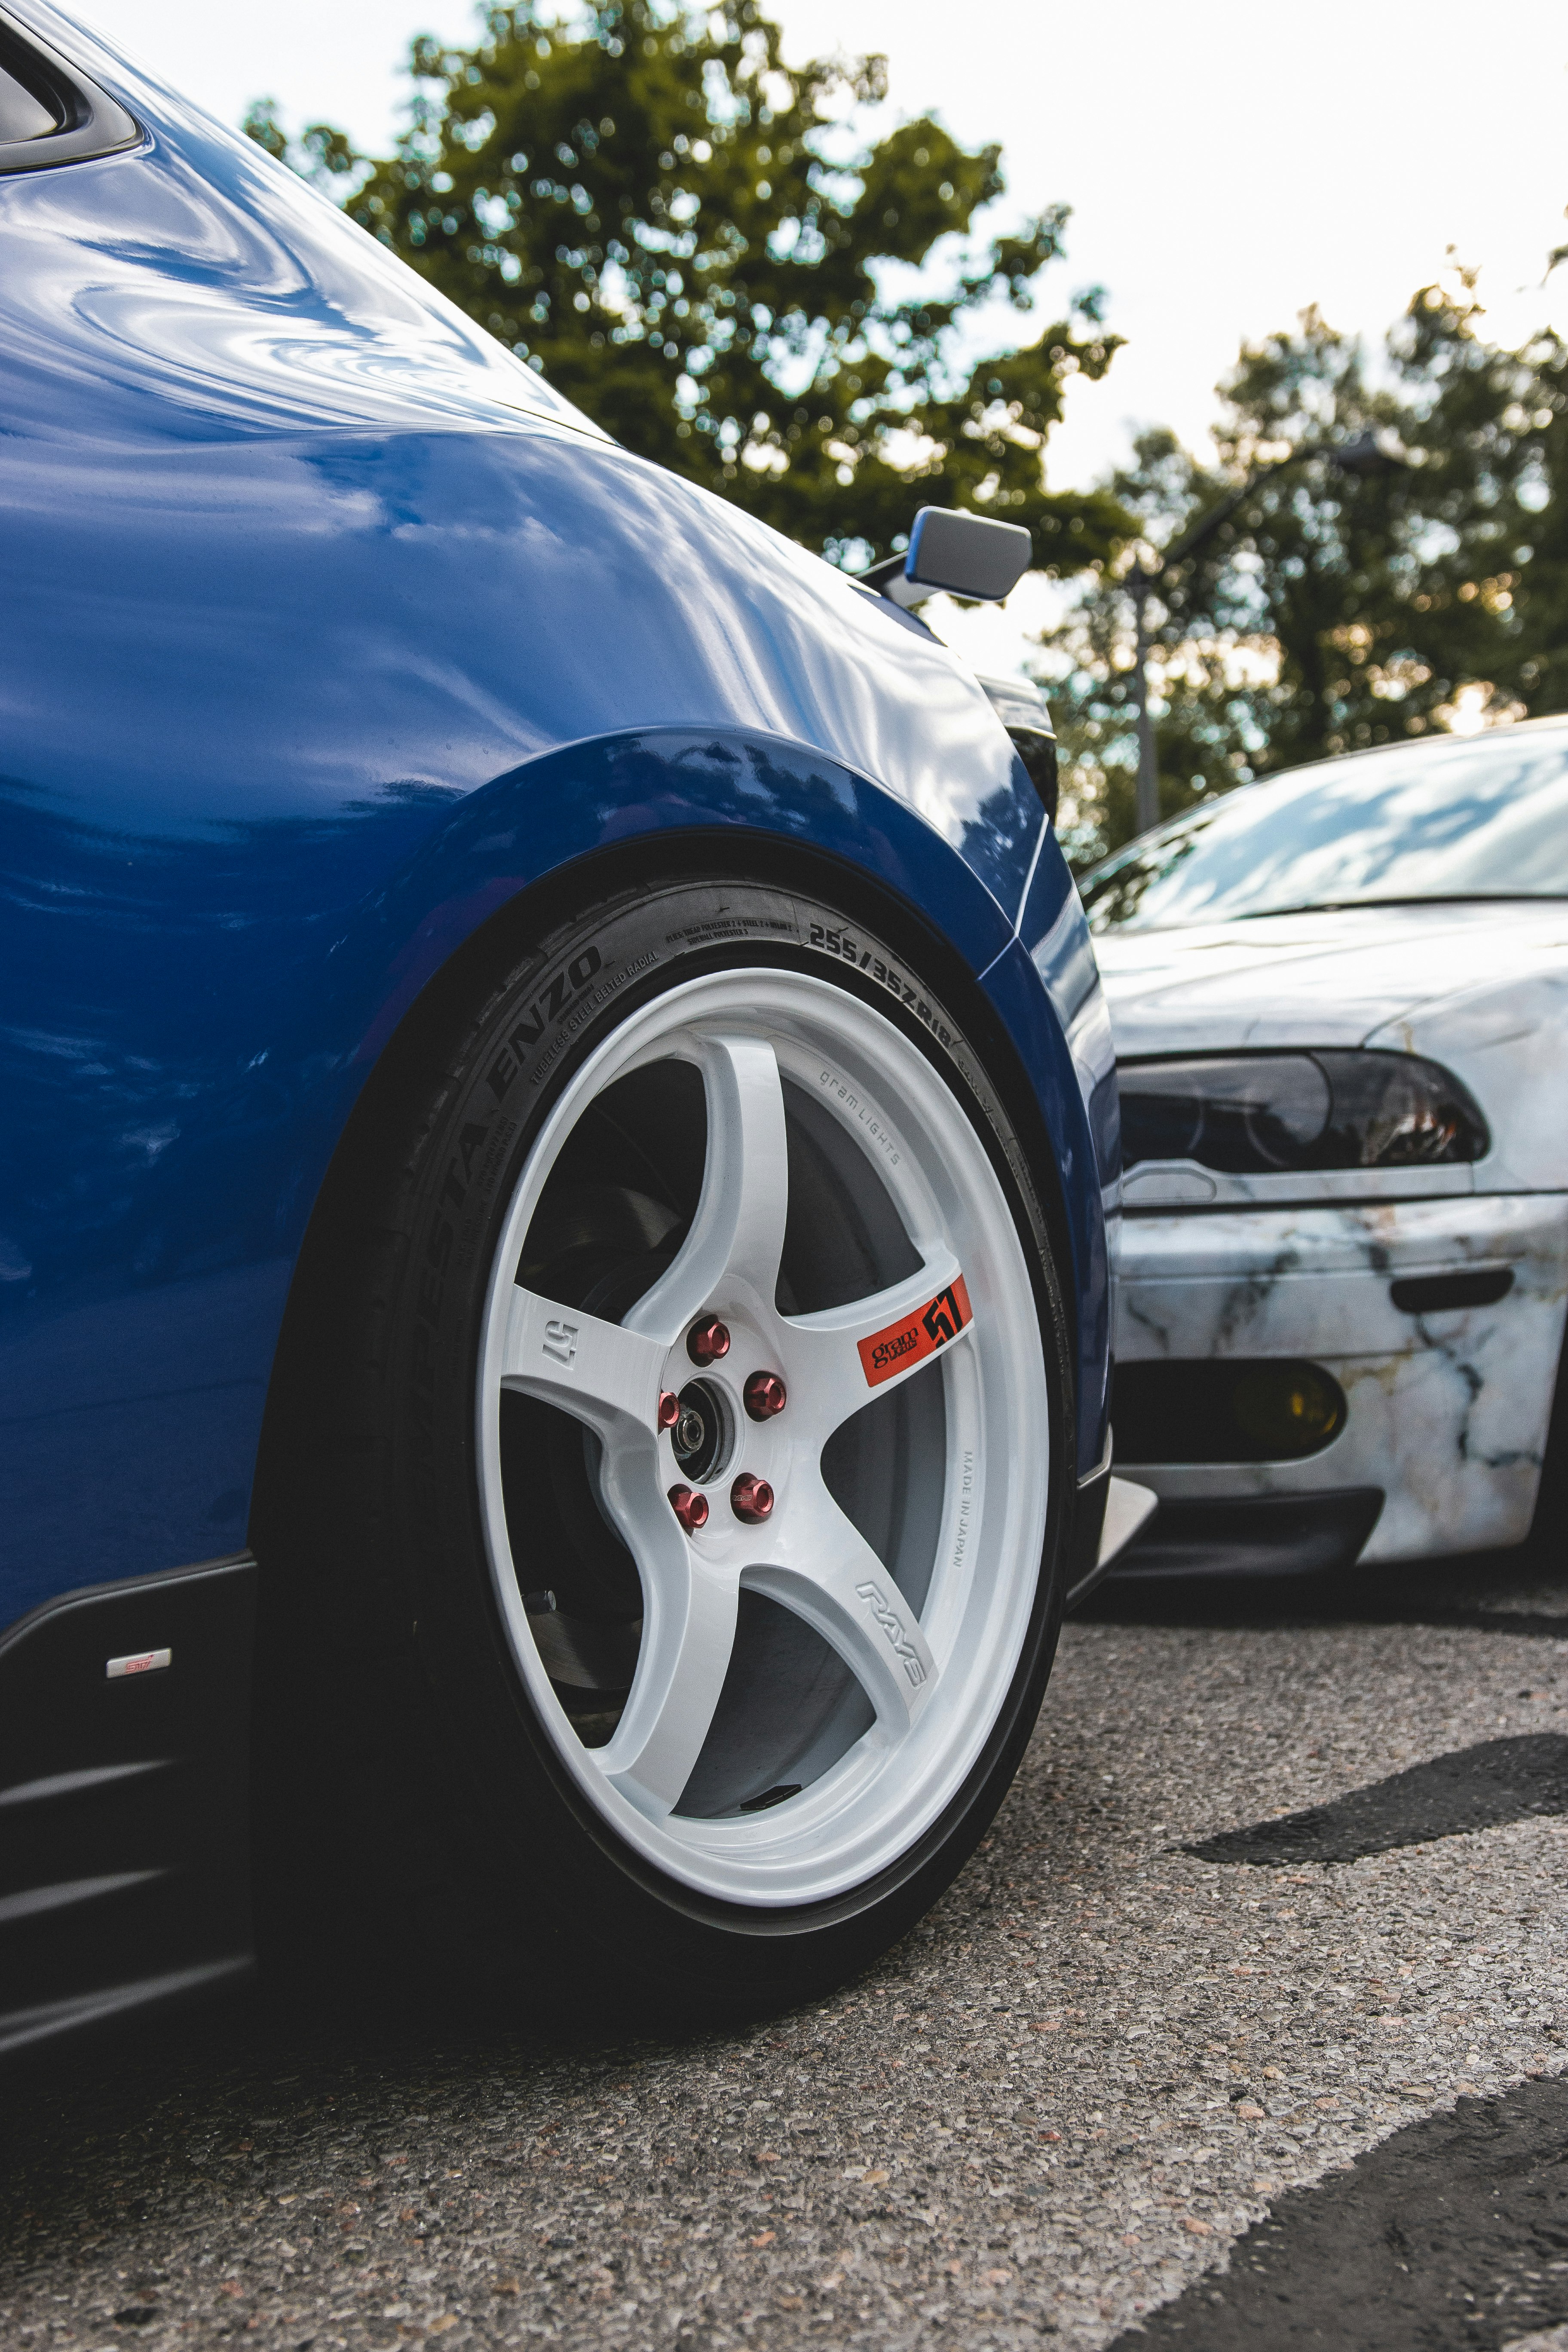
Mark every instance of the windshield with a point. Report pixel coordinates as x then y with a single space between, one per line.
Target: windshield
1484 818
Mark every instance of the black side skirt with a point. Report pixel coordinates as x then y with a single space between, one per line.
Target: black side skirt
124 1799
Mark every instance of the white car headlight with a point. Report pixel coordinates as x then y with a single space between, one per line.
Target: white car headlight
1255 1114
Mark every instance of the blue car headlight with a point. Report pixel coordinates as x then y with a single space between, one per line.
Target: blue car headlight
1261 1114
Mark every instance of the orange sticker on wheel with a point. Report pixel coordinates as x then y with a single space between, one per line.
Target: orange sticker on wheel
917 1336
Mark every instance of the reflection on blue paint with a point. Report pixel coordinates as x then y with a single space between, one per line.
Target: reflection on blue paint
329 629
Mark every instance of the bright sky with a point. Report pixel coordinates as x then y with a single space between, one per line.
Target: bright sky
1224 166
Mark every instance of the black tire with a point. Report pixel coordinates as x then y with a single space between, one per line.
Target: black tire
411 1802
1547 1542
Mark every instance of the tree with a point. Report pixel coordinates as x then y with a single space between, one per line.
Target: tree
1331 611
696 244
321 154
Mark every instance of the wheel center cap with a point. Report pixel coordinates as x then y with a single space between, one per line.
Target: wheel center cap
699 1434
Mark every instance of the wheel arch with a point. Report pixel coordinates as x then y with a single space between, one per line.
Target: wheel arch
464 917
864 883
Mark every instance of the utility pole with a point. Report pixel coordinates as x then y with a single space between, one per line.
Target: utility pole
1148 807
1365 455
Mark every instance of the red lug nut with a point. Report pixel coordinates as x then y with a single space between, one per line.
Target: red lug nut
752 1498
691 1507
765 1395
668 1411
708 1340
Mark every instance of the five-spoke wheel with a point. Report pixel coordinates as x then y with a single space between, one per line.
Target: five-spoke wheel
762 1299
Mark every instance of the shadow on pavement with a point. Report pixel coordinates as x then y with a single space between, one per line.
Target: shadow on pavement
1448 2234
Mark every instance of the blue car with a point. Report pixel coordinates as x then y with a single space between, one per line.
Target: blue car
559 1134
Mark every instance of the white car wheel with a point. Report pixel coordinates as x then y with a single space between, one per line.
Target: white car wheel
778 1753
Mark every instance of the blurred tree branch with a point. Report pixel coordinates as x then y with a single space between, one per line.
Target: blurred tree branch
1328 612
736 269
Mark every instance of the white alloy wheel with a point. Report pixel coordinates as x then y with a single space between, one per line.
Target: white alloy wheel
816 1664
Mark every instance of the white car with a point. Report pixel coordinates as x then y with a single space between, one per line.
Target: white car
1340 999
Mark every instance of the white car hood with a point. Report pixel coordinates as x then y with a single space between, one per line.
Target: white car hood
1482 988
1327 979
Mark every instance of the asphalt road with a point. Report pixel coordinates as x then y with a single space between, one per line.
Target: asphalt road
1104 2067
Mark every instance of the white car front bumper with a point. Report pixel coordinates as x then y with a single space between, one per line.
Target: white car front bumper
1448 1411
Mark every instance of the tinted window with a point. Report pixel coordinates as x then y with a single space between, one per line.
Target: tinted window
49 112
1484 818
22 116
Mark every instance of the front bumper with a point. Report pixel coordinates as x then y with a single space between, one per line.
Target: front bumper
1447 1410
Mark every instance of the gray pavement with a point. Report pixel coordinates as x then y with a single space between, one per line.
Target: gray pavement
1052 2108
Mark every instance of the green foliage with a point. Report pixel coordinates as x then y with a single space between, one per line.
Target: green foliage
1332 611
1207 731
699 247
321 153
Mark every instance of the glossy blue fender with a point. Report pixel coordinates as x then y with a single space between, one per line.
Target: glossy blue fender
328 630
